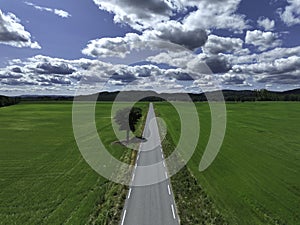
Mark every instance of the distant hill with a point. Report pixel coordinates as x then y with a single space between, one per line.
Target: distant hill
229 95
294 92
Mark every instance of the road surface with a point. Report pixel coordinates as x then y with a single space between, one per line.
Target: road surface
152 204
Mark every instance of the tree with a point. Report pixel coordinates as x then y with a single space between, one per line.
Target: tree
7 101
127 119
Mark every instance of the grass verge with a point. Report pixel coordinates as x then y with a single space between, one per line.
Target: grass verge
194 205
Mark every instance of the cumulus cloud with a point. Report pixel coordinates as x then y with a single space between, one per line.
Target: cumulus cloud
16 70
278 66
44 72
159 31
216 45
17 82
234 80
113 47
262 40
58 12
217 15
168 38
147 14
266 23
177 59
291 14
218 64
48 68
13 33
177 34
280 70
267 56
279 79
137 13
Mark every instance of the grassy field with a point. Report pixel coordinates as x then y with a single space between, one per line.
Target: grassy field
255 178
43 177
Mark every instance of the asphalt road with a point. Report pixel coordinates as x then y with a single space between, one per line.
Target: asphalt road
152 204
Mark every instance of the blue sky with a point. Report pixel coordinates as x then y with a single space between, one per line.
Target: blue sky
54 46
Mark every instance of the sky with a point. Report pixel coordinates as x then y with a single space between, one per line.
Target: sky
57 47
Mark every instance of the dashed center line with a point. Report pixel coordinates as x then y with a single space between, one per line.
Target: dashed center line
123 217
169 190
173 211
129 193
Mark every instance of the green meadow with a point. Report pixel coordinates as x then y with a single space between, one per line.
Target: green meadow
45 180
43 177
255 177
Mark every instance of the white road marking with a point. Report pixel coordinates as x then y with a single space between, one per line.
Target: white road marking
164 164
133 176
173 211
169 190
166 174
129 193
162 156
123 217
137 157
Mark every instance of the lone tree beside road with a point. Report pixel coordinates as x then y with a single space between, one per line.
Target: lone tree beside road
127 119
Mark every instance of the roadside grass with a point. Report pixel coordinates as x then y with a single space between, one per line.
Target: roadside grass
255 177
43 177
195 206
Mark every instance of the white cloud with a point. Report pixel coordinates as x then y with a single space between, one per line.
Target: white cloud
138 14
291 14
266 23
148 14
122 46
284 69
54 75
111 47
262 40
13 33
217 44
267 56
61 13
58 12
239 80
171 36
278 66
161 33
42 72
177 59
217 15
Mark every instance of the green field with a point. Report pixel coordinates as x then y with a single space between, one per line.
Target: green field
43 177
255 178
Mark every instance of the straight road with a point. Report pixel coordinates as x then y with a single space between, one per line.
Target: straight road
152 204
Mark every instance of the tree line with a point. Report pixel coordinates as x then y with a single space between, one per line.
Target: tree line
7 101
229 95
